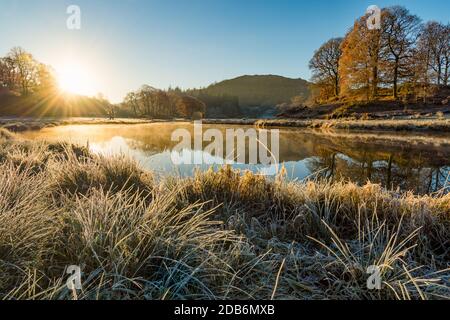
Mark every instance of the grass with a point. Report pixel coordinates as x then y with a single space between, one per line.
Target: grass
409 125
436 125
420 125
28 124
216 235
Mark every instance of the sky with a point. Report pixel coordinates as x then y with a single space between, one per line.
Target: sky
186 43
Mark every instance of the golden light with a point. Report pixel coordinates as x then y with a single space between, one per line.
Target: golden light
74 78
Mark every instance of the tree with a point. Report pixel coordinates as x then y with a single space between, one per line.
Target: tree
20 72
446 54
163 104
23 70
187 106
46 79
325 65
146 97
132 100
400 31
434 50
361 61
4 73
109 108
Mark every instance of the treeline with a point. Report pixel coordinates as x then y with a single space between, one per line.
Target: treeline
149 102
30 88
175 102
404 58
245 96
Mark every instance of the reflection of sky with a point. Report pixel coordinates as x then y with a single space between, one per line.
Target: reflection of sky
303 155
162 162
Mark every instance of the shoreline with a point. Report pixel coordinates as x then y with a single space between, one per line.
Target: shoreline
405 125
411 125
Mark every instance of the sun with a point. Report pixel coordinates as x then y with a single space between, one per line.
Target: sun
75 79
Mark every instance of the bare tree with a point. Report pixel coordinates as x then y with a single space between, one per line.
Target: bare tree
446 54
146 96
433 47
132 100
400 32
109 108
325 65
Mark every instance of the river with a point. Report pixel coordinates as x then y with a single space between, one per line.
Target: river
408 161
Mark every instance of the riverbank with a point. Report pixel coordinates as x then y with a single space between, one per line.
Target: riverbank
406 125
29 124
217 235
435 125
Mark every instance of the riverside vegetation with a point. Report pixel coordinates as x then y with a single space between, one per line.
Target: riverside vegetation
216 235
410 125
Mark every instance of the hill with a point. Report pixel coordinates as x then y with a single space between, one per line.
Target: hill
260 90
253 96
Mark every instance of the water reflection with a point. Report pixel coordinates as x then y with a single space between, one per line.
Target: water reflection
420 163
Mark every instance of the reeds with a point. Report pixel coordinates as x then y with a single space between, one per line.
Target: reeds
216 235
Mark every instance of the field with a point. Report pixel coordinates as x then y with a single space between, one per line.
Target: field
217 235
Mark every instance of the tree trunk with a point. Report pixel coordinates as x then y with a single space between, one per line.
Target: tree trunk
336 87
395 92
446 75
374 81
439 75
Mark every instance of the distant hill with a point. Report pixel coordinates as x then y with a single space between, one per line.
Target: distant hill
260 90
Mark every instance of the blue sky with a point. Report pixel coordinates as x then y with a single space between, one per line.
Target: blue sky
186 43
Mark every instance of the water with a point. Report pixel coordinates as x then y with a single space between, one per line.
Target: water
415 162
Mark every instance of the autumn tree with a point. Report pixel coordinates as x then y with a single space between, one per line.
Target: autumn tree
325 66
23 70
162 104
188 106
20 72
361 61
8 74
399 34
4 73
46 80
